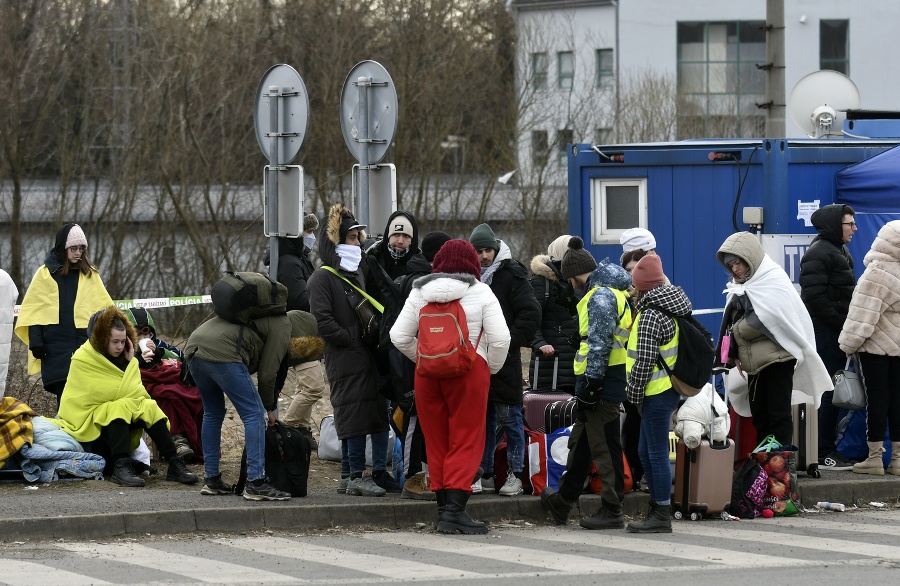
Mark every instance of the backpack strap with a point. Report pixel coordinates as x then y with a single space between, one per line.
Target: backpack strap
374 303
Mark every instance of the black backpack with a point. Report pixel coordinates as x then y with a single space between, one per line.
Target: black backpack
287 453
696 355
242 297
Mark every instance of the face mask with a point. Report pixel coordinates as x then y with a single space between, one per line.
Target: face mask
309 240
351 256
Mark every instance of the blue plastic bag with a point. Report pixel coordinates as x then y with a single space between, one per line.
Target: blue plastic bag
851 437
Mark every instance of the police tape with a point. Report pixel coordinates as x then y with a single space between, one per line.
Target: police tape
151 303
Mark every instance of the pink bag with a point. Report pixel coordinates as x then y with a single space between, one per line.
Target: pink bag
726 346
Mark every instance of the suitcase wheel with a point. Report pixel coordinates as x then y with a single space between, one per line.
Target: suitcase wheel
813 471
695 516
678 515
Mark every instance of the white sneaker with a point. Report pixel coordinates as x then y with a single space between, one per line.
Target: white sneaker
512 487
476 487
487 485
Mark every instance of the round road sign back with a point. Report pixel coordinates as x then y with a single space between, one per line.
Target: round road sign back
293 117
382 115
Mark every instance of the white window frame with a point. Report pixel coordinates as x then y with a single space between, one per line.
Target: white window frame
600 232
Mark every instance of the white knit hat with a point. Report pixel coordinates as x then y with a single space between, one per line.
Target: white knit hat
76 237
637 239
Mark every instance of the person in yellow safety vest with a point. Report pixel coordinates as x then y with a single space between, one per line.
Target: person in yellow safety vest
654 335
604 316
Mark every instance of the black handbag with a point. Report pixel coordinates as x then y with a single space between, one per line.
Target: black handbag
368 311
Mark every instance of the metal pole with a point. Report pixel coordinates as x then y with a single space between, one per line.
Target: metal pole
363 87
272 195
775 96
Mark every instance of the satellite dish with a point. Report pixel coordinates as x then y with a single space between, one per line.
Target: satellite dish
819 102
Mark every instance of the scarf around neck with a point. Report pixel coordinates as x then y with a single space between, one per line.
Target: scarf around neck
351 256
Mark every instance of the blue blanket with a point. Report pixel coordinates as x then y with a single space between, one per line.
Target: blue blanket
40 464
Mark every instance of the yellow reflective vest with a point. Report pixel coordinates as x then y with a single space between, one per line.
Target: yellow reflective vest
659 379
620 335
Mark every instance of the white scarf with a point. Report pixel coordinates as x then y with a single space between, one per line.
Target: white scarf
780 309
487 273
351 256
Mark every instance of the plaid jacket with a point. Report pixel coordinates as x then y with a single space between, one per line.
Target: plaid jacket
15 427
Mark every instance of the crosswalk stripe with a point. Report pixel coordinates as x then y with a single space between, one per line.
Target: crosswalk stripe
844 546
23 572
196 568
807 522
387 567
538 558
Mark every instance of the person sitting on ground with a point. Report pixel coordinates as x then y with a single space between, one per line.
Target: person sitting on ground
161 365
104 402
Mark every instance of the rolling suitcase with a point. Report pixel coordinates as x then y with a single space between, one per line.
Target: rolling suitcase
703 479
537 369
806 438
534 405
559 414
744 435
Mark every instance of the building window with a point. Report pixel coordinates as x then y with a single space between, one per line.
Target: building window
539 66
616 206
565 69
603 136
539 147
605 68
834 45
719 84
564 138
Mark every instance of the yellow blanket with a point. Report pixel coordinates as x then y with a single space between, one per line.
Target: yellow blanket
98 392
15 427
40 305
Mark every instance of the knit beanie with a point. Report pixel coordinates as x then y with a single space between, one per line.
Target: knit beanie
577 260
457 256
310 223
557 248
432 243
400 225
69 235
483 237
728 258
637 239
648 273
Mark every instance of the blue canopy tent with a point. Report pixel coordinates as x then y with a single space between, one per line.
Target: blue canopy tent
872 188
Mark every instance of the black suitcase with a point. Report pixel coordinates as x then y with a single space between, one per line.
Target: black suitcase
534 408
559 414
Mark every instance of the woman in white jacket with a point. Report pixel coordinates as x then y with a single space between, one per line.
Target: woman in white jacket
872 328
453 410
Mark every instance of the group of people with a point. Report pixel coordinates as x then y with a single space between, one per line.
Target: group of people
605 332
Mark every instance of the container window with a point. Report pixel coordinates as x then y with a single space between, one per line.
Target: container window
616 206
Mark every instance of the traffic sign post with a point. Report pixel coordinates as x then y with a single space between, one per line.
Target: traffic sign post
281 118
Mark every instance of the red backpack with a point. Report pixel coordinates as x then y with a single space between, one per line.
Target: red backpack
444 350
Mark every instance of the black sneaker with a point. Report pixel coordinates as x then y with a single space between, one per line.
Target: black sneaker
215 485
261 490
834 461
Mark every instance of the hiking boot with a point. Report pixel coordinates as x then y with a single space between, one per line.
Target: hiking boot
606 517
384 479
183 447
178 472
512 487
894 466
342 485
487 484
873 464
261 490
834 461
214 485
454 517
658 520
123 474
364 486
554 503
416 487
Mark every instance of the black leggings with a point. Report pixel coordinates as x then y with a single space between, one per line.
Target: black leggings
115 439
882 376
770 401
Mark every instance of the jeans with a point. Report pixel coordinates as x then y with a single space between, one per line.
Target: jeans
653 446
353 452
510 417
215 380
834 359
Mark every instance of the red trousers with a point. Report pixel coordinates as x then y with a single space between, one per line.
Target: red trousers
453 412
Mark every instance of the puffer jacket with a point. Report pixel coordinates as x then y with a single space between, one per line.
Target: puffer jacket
873 320
754 345
484 315
826 271
352 374
559 327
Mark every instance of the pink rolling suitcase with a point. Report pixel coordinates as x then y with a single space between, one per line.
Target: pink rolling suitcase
534 405
703 478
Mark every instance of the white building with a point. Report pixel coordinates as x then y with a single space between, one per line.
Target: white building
677 69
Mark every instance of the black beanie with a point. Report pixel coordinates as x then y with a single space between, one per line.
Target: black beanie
432 242
577 260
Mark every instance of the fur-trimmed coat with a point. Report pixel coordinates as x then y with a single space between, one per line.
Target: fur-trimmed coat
559 325
873 321
352 374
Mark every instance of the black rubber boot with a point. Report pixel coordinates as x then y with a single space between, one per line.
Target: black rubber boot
607 517
179 472
554 503
124 475
659 520
454 518
441 504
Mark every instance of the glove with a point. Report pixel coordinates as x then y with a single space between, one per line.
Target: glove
589 393
39 352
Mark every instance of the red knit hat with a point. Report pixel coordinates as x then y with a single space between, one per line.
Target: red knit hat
648 273
457 256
